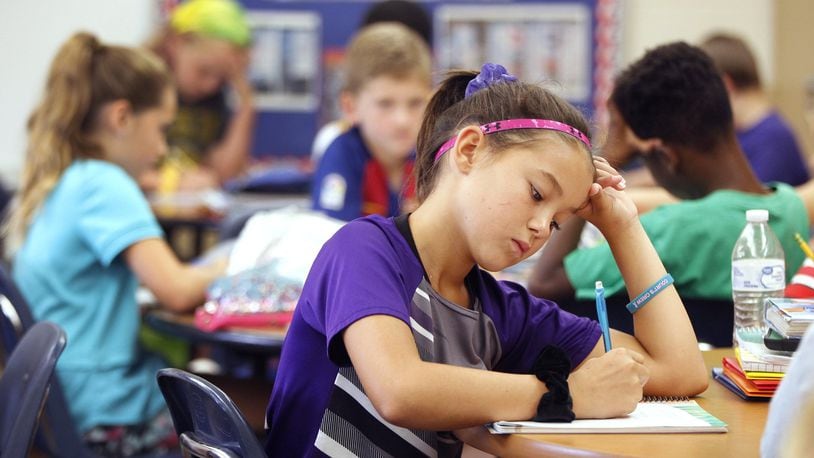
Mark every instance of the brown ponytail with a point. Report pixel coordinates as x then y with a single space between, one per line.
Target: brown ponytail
84 76
448 111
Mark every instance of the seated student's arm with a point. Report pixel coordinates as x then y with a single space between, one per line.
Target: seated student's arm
228 158
178 287
548 278
412 393
663 333
650 197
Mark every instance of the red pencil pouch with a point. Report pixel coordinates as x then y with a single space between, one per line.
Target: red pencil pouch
254 298
217 321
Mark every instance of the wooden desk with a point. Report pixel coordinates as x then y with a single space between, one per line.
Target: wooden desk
264 342
745 422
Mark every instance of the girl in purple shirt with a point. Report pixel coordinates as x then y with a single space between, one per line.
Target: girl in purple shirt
401 345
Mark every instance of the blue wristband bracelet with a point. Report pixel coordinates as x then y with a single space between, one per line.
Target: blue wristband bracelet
643 298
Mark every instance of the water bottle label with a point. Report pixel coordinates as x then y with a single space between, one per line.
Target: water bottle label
758 274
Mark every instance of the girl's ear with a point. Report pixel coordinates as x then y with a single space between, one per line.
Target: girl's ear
665 155
728 83
347 103
670 157
116 116
468 147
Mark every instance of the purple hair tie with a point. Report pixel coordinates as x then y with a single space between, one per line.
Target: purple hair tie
489 75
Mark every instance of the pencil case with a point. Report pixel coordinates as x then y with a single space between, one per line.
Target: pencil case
255 298
217 321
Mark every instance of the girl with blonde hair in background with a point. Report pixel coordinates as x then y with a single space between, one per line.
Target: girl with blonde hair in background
84 237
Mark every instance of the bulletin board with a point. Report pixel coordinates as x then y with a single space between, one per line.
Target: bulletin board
298 50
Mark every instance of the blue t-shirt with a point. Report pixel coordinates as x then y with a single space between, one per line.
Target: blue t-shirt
773 152
350 183
70 272
318 406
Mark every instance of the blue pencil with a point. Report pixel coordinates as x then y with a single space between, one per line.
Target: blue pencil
602 315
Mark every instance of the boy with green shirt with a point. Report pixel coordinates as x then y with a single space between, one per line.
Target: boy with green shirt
671 108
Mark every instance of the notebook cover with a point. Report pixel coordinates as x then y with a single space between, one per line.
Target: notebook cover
649 417
759 383
720 377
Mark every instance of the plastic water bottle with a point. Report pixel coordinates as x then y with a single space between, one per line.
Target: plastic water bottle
758 273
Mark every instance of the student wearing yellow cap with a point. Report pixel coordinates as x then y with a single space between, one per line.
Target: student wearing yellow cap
205 44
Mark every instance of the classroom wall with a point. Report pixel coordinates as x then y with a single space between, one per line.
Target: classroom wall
31 31
648 23
794 63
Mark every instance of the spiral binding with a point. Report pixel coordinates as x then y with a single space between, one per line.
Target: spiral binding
665 399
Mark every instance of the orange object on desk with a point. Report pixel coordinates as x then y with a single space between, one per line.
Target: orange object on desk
752 387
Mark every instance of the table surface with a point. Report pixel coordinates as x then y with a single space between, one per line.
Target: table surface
745 421
193 209
266 341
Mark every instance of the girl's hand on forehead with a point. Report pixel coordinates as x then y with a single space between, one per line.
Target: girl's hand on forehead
608 207
606 177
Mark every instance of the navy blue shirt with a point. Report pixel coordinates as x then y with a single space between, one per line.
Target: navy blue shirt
350 183
773 151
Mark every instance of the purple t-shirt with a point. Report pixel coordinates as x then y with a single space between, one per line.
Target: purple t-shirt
773 152
318 406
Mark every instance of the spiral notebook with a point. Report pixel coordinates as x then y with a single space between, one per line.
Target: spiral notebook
651 416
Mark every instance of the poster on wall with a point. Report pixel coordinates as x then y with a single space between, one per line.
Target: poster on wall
284 68
549 44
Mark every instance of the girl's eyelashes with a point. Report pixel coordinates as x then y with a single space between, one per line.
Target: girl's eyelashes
554 225
535 195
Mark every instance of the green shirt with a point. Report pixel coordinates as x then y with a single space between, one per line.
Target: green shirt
694 239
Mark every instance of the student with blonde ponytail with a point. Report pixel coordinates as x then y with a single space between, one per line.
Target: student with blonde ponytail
84 236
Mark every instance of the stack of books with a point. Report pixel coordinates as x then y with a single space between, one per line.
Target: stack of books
790 317
760 367
755 373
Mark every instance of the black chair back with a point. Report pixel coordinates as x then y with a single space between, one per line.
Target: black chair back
208 423
24 386
57 435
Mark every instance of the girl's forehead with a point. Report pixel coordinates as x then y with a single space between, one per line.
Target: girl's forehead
212 46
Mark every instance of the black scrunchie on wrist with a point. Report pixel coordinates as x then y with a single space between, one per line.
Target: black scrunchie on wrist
552 368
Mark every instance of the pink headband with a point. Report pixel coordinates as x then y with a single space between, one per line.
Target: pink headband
511 124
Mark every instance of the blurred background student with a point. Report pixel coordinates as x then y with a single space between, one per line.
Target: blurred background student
670 107
367 169
84 236
765 137
406 12
205 45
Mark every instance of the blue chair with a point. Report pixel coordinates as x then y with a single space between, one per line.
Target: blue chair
24 386
208 423
57 435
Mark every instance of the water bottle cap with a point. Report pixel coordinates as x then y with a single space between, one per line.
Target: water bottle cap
757 216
